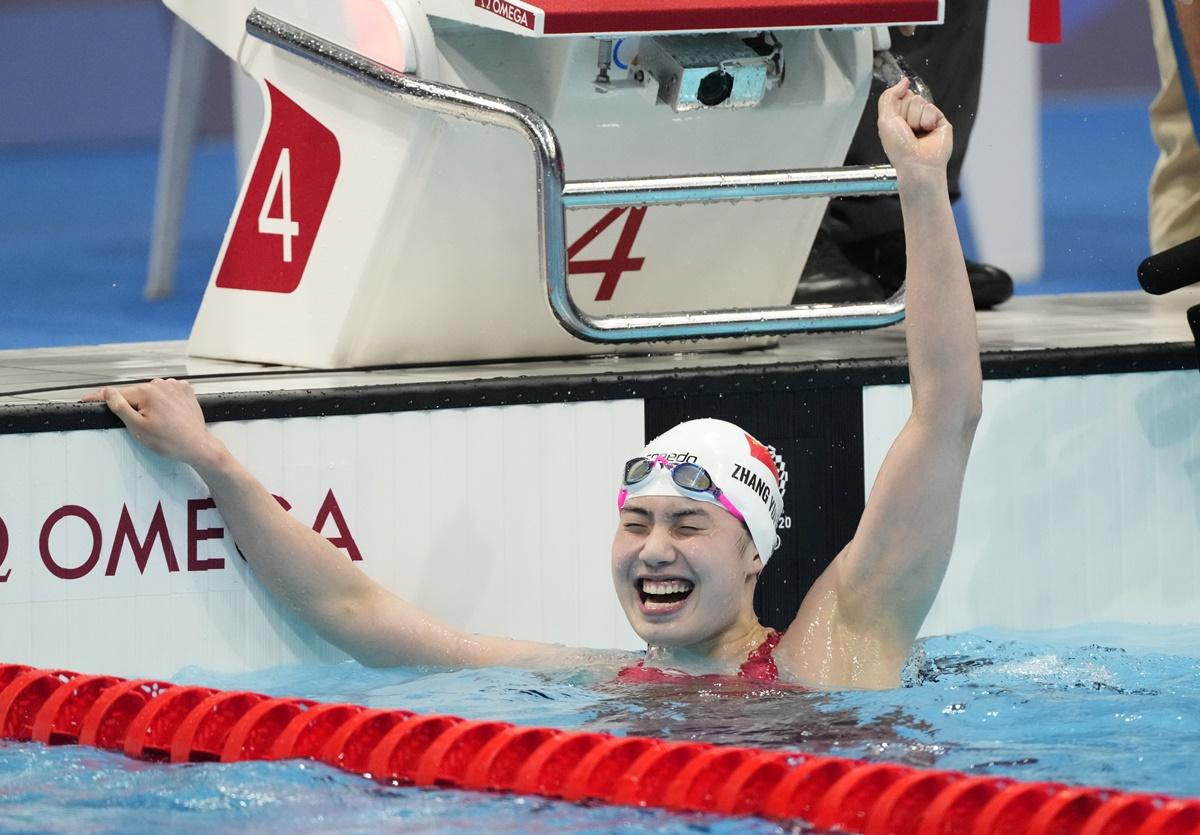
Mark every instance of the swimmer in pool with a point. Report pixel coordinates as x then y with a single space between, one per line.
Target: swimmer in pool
698 508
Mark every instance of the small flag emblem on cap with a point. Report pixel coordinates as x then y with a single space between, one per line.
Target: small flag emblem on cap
761 453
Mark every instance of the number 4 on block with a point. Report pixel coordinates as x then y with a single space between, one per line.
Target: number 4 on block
284 202
620 262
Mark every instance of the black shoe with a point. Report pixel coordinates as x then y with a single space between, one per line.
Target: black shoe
829 277
883 257
990 285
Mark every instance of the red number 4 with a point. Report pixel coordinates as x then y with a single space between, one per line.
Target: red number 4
613 268
4 551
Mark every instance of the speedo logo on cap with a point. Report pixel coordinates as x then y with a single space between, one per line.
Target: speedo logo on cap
674 457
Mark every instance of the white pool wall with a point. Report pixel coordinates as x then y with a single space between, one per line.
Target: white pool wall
1081 502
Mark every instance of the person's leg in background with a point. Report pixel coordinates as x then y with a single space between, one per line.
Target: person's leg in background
1175 183
859 251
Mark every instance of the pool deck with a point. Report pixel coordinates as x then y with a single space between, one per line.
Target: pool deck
1027 336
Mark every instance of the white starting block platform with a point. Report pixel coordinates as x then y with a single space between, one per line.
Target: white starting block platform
458 181
486 493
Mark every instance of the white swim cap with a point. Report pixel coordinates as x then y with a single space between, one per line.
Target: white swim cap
750 474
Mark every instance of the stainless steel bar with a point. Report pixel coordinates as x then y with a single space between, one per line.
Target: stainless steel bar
552 195
851 181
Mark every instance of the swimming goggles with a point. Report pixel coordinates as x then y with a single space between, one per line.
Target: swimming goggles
687 476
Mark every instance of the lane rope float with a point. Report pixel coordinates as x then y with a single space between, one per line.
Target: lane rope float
160 721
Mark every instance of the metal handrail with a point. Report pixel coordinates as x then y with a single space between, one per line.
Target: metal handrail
850 181
555 195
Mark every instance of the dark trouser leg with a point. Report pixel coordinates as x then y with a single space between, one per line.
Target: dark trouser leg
950 60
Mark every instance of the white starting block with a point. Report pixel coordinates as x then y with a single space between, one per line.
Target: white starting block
375 228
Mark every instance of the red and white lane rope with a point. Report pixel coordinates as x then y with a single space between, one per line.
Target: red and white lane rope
159 721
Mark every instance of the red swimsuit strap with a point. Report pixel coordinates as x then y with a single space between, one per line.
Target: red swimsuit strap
760 665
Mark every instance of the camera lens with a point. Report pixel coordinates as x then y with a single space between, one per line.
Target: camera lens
714 88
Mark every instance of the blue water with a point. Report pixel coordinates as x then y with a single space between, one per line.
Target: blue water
1115 706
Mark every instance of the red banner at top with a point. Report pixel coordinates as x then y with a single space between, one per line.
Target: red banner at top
1045 21
567 17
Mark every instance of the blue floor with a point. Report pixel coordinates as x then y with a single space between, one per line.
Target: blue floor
75 238
1097 158
74 227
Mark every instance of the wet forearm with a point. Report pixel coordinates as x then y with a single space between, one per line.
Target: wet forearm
943 347
314 580
298 566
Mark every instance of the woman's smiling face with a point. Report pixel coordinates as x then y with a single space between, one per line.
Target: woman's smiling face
684 570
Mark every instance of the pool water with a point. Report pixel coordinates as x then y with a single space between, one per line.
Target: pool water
1107 705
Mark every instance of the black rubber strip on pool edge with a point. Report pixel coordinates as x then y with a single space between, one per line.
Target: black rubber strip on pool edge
614 385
